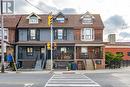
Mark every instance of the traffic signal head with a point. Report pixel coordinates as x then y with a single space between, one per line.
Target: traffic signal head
49 46
50 20
55 45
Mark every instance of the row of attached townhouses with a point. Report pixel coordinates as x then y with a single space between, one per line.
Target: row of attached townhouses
78 38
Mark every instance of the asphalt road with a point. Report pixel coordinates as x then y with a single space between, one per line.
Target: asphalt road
105 79
23 79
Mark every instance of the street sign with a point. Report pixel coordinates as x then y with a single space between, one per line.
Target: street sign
7 6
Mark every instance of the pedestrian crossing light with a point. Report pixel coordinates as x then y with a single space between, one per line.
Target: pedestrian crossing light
50 20
49 46
55 45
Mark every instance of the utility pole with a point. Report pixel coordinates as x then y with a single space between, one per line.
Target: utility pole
2 39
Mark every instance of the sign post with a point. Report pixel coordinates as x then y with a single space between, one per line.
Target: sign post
7 7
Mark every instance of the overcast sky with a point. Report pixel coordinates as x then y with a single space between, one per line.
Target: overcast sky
114 13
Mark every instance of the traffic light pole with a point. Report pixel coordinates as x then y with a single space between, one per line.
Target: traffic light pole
51 47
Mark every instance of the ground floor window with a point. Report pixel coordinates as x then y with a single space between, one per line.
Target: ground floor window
29 51
64 53
84 52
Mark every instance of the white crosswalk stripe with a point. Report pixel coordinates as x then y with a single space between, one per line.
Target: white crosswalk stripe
71 80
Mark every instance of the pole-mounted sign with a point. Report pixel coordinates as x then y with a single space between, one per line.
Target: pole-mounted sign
7 7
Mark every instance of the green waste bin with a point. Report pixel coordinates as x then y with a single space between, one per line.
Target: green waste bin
69 66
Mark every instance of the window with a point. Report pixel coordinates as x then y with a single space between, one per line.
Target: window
87 34
33 34
60 34
33 19
60 20
5 34
84 52
128 53
87 20
29 51
63 49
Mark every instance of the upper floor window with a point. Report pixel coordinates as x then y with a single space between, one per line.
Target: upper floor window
87 20
33 34
5 34
87 34
33 20
60 34
60 20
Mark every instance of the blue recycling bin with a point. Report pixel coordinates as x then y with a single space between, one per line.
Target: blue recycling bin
74 66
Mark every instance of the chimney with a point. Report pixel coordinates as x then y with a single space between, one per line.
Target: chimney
112 38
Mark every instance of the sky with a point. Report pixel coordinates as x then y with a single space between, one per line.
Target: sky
114 13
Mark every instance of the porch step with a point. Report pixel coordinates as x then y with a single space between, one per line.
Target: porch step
48 65
38 65
89 64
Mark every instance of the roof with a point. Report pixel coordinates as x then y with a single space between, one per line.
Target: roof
10 20
73 21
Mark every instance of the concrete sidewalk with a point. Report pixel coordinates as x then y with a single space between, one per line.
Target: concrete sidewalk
122 69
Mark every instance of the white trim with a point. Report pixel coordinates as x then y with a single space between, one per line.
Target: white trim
89 44
83 32
117 46
28 17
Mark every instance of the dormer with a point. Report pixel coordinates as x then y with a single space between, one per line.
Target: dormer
33 18
87 18
60 18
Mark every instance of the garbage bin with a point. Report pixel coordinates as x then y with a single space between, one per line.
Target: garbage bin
69 66
74 66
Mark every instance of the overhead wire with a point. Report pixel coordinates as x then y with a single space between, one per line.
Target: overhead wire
36 6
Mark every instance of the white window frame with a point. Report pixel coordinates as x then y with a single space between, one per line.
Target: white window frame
60 34
33 20
33 34
6 34
85 36
87 20
60 20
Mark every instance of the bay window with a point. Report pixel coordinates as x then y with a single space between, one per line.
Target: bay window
87 34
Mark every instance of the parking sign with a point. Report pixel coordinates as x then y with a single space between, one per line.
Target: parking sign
7 6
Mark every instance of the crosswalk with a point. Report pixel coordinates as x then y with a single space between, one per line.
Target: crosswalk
71 80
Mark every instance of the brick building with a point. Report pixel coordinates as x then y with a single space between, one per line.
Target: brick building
79 39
